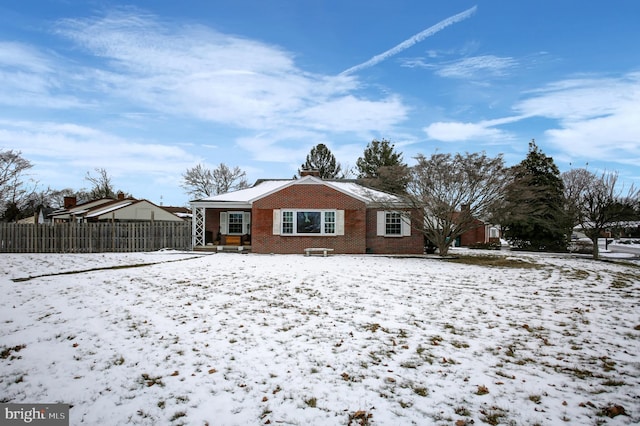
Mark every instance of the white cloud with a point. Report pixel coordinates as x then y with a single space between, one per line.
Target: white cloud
471 68
80 148
462 132
349 114
23 57
459 132
30 78
279 147
597 117
127 72
477 67
200 73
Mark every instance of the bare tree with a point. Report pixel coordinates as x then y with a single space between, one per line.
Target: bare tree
55 197
200 181
227 179
102 186
12 187
576 182
454 191
598 202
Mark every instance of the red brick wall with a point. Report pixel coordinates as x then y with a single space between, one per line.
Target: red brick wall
413 244
212 222
473 236
308 196
359 224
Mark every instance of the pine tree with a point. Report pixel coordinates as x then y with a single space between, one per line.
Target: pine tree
533 216
321 159
381 167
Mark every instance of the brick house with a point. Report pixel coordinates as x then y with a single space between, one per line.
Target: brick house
482 233
287 216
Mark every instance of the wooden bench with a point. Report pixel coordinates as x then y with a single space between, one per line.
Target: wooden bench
232 240
310 250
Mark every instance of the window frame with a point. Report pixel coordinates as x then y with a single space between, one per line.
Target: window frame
393 219
289 218
230 223
382 217
225 222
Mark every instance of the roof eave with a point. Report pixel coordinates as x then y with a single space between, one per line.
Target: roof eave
221 204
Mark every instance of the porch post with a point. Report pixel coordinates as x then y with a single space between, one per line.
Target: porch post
198 226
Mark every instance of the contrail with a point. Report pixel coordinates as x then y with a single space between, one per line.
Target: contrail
413 40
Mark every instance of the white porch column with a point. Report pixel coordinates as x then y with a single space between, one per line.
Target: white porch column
198 226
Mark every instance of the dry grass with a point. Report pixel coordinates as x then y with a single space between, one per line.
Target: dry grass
494 261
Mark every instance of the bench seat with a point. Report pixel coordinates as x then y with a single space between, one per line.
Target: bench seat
311 250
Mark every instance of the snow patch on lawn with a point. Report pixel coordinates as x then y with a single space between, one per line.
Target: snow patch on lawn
261 339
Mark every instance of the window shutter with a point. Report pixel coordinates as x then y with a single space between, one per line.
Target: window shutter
339 222
246 222
276 221
380 223
224 223
406 224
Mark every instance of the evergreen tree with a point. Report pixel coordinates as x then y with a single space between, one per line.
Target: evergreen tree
381 167
533 216
321 159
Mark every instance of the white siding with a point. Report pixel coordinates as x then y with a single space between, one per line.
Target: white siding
246 221
406 224
339 222
276 221
224 223
380 223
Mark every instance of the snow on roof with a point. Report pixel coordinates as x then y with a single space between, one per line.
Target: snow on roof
110 208
265 187
249 194
359 191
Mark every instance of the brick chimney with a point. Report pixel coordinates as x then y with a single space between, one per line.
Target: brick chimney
69 202
309 172
120 195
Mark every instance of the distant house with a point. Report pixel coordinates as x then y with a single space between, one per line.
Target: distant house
182 212
483 233
287 216
40 217
108 209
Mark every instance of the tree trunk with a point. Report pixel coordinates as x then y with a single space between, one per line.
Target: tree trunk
596 249
443 249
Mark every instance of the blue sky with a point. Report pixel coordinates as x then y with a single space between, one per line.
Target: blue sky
151 88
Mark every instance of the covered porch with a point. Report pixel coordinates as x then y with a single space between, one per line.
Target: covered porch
221 226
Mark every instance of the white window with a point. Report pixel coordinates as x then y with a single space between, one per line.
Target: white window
494 232
329 222
287 222
235 223
308 222
393 224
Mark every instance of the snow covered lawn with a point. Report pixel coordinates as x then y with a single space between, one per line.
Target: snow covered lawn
231 339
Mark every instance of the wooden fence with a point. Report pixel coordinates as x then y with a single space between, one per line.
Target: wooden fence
94 237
